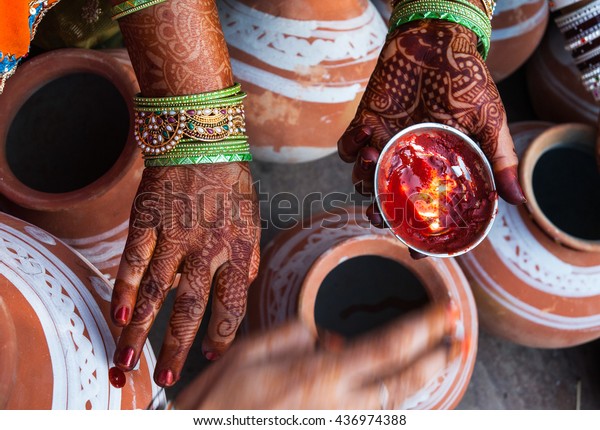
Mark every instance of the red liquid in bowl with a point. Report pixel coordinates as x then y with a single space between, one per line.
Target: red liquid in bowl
435 192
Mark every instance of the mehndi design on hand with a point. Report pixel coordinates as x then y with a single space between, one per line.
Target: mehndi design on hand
430 71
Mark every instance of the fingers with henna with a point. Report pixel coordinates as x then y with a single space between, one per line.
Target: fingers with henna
188 310
152 292
228 307
500 151
136 257
352 141
374 215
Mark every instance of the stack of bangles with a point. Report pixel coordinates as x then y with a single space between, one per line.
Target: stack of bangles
581 29
192 129
460 12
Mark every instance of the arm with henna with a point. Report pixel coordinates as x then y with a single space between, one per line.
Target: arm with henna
201 220
430 71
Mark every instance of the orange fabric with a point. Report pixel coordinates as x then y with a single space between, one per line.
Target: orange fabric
14 25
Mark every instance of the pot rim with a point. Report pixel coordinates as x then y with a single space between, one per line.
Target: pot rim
564 135
471 144
54 65
380 246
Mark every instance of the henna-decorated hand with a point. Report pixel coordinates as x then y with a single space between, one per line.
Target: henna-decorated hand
430 71
284 368
204 221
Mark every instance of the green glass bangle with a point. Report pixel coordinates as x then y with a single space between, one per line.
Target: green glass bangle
198 150
225 102
227 140
472 18
463 7
188 99
202 159
131 6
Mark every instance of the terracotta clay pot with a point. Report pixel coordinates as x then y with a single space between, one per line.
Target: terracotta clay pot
300 277
555 88
305 65
384 7
68 161
517 29
535 284
8 354
63 338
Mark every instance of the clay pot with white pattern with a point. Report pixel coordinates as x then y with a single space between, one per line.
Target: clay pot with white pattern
68 162
305 65
555 88
336 272
517 29
57 340
536 278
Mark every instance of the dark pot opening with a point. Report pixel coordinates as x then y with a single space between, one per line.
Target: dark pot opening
68 134
366 292
566 185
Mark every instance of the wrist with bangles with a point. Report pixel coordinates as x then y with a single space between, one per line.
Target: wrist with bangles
460 12
200 128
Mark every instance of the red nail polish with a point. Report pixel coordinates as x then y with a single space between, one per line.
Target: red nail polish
117 377
165 378
126 358
212 356
375 217
509 188
122 315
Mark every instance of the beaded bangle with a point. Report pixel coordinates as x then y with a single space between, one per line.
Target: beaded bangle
192 129
459 12
490 7
161 131
186 100
131 6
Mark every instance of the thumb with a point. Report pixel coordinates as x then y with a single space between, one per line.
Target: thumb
499 148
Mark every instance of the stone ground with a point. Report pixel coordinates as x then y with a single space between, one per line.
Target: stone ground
506 376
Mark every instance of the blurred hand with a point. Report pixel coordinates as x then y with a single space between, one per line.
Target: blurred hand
430 71
285 369
203 221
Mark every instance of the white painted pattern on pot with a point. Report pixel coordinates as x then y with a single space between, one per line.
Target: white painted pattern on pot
40 235
59 298
533 264
78 338
523 309
297 45
503 33
102 250
102 287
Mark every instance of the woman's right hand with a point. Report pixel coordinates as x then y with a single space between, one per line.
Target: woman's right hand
287 369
